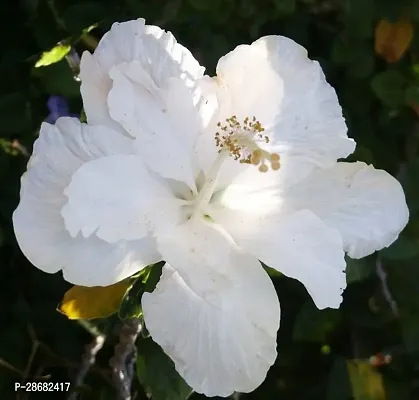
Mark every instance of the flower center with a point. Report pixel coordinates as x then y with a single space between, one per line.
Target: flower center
241 141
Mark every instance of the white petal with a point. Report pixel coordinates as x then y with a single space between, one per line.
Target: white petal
157 51
39 227
165 122
214 312
115 198
367 206
94 89
299 245
275 81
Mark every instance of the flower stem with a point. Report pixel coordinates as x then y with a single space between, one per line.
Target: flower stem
122 363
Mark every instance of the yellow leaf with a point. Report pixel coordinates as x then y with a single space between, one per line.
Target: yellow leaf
367 382
393 39
82 302
53 56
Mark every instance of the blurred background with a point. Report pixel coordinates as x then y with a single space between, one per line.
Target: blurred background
369 50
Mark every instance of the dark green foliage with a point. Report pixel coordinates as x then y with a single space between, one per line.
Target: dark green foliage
313 345
157 374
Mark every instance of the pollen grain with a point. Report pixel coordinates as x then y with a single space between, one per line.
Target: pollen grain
240 140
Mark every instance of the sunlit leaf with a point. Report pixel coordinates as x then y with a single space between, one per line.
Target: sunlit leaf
131 303
367 382
153 276
53 56
393 39
82 302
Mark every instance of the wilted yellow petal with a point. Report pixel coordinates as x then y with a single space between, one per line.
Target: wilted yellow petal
82 302
53 56
366 381
393 39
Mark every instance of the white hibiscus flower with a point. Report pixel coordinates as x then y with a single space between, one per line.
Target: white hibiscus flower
212 176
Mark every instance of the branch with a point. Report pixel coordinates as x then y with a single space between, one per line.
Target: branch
382 275
123 361
88 360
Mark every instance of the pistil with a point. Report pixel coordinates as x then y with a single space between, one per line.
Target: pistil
205 194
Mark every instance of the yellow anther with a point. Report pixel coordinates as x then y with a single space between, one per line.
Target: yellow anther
274 157
241 140
275 165
263 168
256 157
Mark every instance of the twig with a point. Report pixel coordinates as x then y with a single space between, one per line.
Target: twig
89 41
34 350
73 61
382 275
122 363
5 364
62 362
88 360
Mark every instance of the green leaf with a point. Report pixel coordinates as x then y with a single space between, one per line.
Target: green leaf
273 273
153 276
285 7
342 50
58 79
314 325
363 64
156 373
53 56
389 87
358 270
359 18
146 281
412 95
402 249
131 302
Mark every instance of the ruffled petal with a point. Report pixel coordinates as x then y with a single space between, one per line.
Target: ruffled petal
290 97
157 51
164 121
39 226
367 206
116 198
298 244
214 312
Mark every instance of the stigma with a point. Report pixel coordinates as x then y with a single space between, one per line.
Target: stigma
241 141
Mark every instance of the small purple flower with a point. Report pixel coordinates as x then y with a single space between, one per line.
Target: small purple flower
58 107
